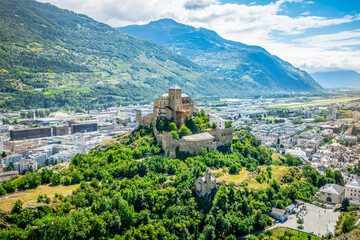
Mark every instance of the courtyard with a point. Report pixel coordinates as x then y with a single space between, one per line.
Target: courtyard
317 220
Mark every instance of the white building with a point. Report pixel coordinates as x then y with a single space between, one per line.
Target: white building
25 165
348 138
297 152
38 157
331 193
279 214
352 191
11 158
220 123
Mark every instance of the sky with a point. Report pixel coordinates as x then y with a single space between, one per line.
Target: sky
314 35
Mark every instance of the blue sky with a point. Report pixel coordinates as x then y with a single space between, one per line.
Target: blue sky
314 35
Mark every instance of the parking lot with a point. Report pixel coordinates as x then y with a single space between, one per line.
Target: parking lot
317 220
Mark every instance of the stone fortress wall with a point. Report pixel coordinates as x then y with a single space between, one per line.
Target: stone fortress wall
177 106
211 139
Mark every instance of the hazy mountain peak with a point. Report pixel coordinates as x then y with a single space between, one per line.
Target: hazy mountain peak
250 66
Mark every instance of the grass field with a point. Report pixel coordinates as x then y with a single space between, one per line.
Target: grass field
30 196
315 103
278 234
244 176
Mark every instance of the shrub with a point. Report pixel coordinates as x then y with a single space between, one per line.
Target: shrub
234 169
174 135
259 178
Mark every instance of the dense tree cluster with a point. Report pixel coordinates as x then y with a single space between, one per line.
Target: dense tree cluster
124 194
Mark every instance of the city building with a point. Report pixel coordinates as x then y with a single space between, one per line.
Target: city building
25 165
60 130
331 193
278 214
30 133
348 138
84 127
11 158
220 123
352 191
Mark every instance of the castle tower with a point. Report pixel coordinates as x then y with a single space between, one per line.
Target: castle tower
208 175
175 98
278 143
138 118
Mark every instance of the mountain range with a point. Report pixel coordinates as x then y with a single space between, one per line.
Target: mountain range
55 57
338 79
250 66
51 57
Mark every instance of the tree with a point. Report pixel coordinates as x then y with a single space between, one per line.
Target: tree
338 177
190 123
2 191
300 221
184 131
10 167
228 124
230 237
348 224
209 232
110 158
174 135
55 179
172 127
260 236
3 154
288 234
293 192
213 125
345 203
17 208
268 233
234 169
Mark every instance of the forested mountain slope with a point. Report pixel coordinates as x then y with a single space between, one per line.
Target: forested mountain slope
251 66
54 57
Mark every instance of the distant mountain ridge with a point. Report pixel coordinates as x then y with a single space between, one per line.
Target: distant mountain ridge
338 79
251 66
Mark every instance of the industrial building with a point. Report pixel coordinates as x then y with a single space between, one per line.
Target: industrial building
30 133
60 130
84 127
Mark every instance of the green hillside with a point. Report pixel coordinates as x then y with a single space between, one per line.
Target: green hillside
251 66
54 57
123 194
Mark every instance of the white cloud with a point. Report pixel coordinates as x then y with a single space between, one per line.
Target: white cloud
251 24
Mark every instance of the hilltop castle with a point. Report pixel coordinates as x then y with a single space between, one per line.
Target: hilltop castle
177 106
171 105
